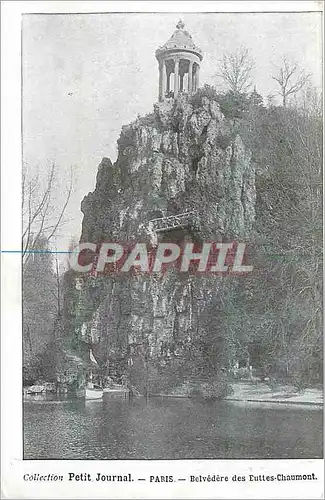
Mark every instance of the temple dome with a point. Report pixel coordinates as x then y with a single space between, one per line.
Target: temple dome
179 62
180 40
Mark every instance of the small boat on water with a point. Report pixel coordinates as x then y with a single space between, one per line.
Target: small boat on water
93 393
95 388
90 393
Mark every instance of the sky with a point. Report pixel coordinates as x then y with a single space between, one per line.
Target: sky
87 75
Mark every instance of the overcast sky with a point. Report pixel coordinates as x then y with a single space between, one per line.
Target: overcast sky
86 75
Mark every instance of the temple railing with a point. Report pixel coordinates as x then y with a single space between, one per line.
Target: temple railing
170 222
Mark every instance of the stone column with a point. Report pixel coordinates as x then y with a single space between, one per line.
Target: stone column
197 77
190 78
176 78
167 80
163 79
161 91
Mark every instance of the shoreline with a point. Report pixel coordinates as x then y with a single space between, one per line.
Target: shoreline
250 392
239 400
242 392
260 392
276 401
314 404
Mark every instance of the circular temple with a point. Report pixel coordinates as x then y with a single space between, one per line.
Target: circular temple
179 64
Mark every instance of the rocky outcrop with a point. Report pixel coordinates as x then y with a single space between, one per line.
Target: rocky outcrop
184 156
179 158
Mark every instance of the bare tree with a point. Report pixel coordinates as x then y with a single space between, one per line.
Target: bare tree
236 69
58 286
290 78
311 102
41 217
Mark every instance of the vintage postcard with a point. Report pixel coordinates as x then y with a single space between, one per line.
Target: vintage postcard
162 266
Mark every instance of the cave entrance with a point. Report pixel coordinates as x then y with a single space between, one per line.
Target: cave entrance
178 236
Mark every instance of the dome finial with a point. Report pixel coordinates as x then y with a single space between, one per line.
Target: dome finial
180 25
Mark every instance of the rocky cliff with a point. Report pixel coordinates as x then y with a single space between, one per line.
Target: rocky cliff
184 156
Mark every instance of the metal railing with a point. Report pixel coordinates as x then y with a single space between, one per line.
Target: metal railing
186 219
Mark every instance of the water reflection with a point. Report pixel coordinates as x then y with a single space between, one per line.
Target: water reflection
167 428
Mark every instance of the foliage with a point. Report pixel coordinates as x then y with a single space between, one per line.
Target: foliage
215 388
280 304
149 120
234 105
207 91
241 373
39 309
272 319
42 367
154 376
161 378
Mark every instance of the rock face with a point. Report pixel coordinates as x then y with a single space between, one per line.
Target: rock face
182 157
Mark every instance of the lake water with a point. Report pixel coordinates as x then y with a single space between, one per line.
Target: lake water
169 428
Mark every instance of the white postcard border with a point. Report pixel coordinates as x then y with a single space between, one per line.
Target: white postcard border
13 467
